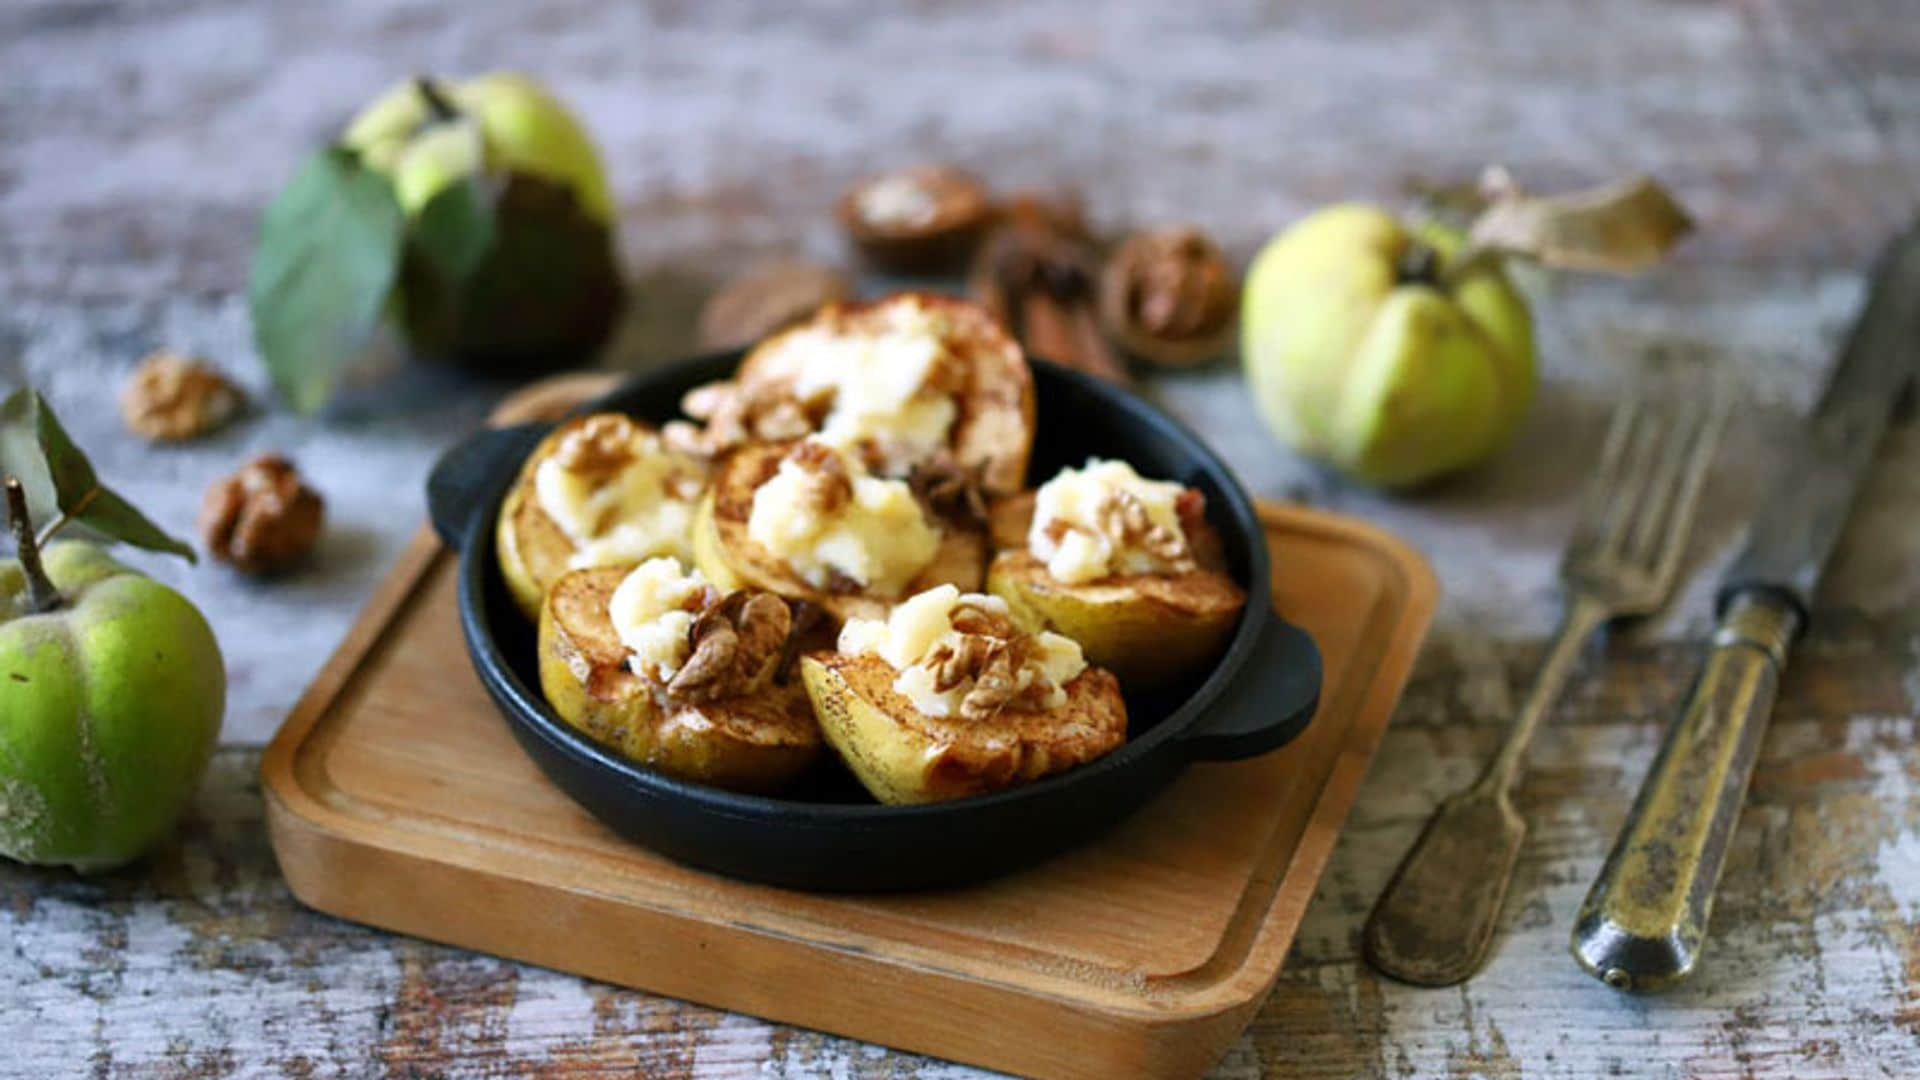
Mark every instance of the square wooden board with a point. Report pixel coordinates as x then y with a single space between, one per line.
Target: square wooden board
397 797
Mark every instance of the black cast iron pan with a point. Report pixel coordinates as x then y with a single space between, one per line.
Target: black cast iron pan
828 834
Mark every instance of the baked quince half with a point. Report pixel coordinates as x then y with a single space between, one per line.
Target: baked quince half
950 696
804 520
903 382
1126 566
678 675
601 490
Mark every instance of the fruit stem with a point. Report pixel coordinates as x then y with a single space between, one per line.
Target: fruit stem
42 597
436 98
1419 265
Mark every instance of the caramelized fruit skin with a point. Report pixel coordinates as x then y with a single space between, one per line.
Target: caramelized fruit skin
757 743
1148 629
903 757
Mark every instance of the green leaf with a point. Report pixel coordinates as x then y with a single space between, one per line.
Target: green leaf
456 228
35 447
328 255
20 454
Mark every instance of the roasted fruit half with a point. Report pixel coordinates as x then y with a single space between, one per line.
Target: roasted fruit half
601 490
806 521
675 674
950 696
1127 567
909 381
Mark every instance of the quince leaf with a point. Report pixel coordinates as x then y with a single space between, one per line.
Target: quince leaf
328 255
36 448
456 227
1620 228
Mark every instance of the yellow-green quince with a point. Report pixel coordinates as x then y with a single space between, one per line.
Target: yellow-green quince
1363 351
515 126
109 706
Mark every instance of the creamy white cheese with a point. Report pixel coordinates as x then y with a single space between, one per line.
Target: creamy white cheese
652 611
643 509
1068 533
878 382
917 628
880 537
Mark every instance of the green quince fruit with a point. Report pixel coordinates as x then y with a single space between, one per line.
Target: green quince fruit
109 707
1362 351
515 272
406 134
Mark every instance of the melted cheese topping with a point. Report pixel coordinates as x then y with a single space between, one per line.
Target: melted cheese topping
877 380
1069 535
643 509
879 538
653 611
918 627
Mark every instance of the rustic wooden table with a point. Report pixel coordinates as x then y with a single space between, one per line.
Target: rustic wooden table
138 143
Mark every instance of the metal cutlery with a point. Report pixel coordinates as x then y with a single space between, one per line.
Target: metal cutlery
1645 920
1434 923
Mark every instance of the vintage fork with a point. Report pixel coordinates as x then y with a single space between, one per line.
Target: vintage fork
1434 922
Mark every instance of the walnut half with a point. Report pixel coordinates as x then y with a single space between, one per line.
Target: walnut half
262 519
173 398
737 645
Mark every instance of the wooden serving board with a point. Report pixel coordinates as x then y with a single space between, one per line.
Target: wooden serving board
397 797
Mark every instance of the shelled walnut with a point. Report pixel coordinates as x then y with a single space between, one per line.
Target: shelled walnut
263 518
174 398
737 645
1169 296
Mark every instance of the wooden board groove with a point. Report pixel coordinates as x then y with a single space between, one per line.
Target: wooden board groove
397 797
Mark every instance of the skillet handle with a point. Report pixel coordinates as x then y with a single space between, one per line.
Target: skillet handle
465 472
1270 702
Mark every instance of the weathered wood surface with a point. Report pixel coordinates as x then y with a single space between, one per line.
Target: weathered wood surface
138 142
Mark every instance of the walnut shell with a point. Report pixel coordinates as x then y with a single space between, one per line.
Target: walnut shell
921 220
1170 297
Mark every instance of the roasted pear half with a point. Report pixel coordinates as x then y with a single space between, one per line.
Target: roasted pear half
620 509
903 753
840 374
731 558
755 741
1148 629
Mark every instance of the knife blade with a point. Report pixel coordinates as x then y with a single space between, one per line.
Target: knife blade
1644 922
1794 533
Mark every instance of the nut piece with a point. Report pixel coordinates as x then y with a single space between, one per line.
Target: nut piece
737 644
173 398
1169 296
768 297
262 519
921 220
996 656
599 447
1125 519
832 486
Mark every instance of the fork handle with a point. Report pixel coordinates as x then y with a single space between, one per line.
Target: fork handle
1645 919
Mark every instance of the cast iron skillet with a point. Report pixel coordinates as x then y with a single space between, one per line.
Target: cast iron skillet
828 835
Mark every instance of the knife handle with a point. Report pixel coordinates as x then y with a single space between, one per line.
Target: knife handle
1645 919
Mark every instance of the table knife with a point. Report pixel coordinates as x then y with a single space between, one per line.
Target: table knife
1645 919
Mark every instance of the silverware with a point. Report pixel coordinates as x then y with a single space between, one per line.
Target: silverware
1434 922
1643 923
